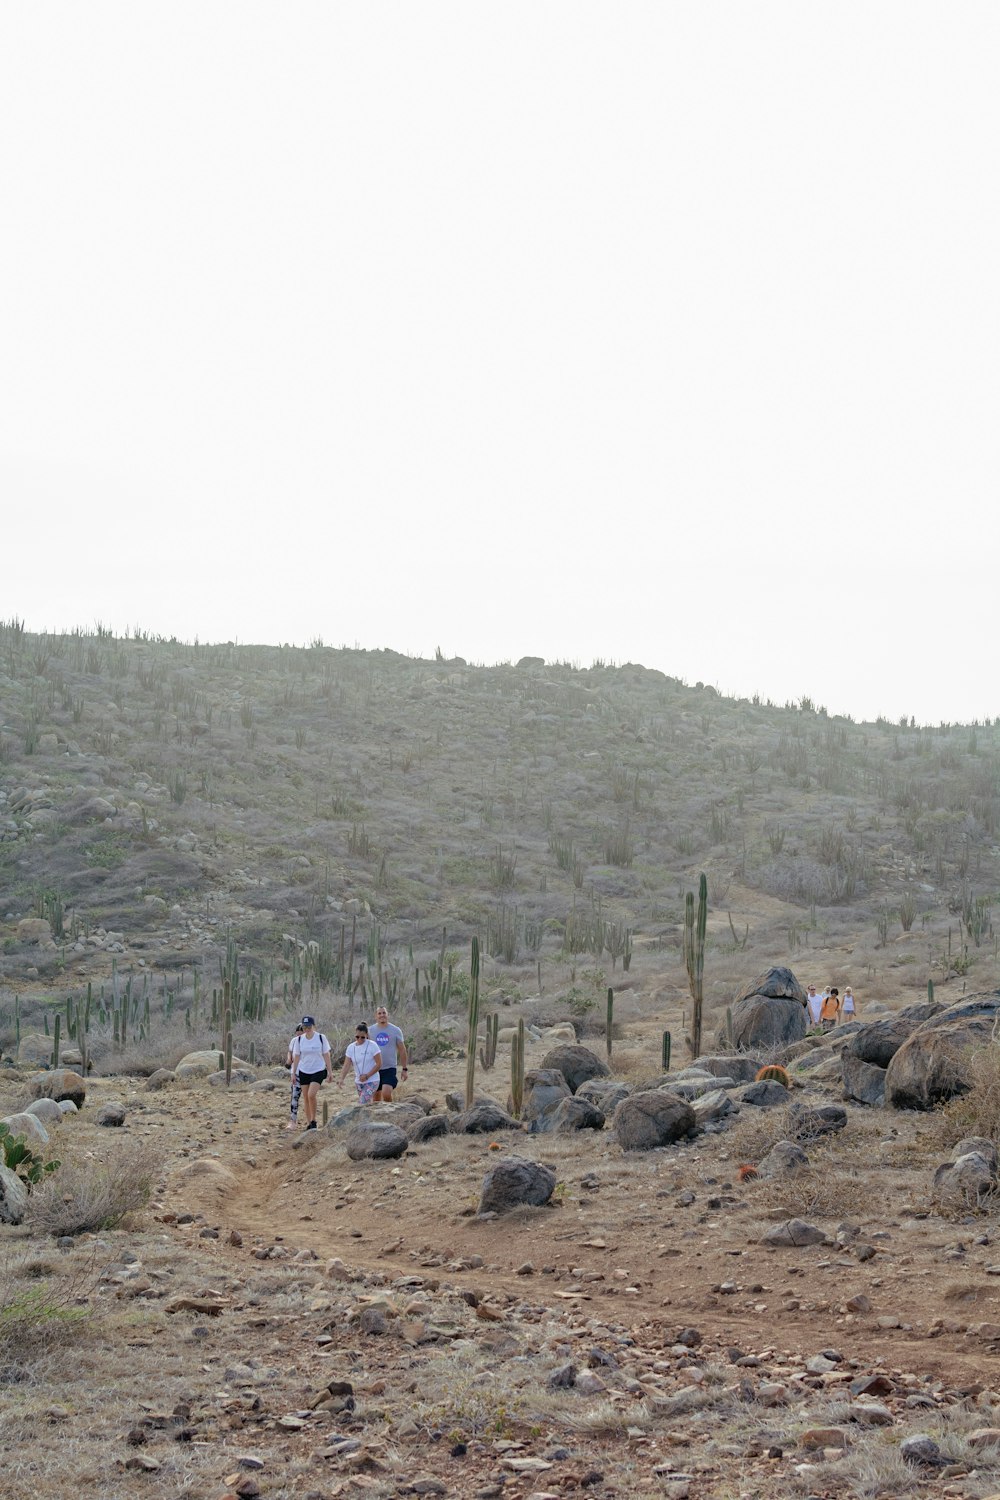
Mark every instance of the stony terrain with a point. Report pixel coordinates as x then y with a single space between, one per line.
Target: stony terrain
324 827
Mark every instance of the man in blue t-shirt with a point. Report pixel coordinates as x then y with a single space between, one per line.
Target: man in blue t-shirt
389 1040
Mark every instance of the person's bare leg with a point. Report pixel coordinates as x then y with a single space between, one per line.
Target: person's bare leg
385 1093
310 1095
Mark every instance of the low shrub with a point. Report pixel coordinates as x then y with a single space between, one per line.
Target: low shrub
92 1195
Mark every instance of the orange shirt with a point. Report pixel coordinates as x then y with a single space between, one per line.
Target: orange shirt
831 1008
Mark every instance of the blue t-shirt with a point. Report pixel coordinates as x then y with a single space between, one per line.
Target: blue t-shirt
386 1038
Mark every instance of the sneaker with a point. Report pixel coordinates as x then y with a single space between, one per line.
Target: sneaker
311 1125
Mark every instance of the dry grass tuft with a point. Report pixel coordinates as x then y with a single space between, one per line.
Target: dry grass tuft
42 1303
978 1111
90 1195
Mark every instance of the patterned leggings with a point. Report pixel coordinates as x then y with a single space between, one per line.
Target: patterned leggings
293 1113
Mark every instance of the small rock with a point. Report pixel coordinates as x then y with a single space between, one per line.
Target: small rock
920 1449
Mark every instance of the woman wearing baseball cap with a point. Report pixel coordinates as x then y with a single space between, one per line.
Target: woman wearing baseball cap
311 1065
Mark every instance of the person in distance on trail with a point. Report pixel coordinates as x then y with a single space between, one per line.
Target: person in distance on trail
831 1010
390 1043
363 1055
814 1004
293 1109
849 1010
311 1065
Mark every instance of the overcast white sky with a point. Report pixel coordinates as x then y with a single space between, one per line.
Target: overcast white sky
653 332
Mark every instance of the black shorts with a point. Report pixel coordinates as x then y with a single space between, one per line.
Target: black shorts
306 1078
387 1078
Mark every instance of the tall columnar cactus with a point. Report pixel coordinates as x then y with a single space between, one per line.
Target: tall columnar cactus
470 1058
610 1021
488 1052
694 957
517 1071
17 1024
930 991
55 1041
229 1057
665 1054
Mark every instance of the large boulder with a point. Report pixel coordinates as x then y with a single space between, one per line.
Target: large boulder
576 1064
379 1141
201 1064
514 1182
35 1049
568 1115
879 1041
863 1081
645 1121
544 1088
427 1128
965 1181
29 1127
769 1012
13 1197
483 1119
933 1063
46 1110
784 1159
604 1092
59 1084
763 1094
730 1065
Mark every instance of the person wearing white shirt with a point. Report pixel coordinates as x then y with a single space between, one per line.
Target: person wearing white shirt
365 1058
311 1065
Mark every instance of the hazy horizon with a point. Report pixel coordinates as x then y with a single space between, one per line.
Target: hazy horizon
659 334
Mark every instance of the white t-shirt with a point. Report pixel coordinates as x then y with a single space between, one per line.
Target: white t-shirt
815 1004
363 1056
307 1053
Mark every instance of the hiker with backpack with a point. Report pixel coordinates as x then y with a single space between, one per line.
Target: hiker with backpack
311 1066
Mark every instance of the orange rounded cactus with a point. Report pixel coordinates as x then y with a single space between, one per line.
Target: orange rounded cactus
774 1073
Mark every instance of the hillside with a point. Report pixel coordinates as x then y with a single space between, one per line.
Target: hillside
170 793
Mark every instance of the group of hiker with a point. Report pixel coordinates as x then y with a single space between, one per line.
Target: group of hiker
378 1061
829 1008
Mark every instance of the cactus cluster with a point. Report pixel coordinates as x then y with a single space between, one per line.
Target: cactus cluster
488 1051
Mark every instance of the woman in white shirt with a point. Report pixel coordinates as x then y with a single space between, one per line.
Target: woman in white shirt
365 1058
311 1065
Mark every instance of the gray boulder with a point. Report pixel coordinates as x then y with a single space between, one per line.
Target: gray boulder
713 1106
982 1146
776 983
967 1180
568 1115
427 1128
112 1114
933 1063
763 1022
794 1234
161 1078
577 1064
483 1119
808 1123
784 1159
28 1126
514 1182
13 1197
863 1081
237 1075
46 1110
764 1094
59 1084
544 1088
644 1121
603 1092
730 1065
371 1140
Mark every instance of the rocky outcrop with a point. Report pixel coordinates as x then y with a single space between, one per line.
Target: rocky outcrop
933 1063
645 1121
576 1064
60 1084
769 1012
515 1182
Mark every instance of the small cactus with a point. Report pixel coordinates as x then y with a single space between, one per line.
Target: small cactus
488 1052
747 1172
610 1021
517 1071
665 1052
774 1073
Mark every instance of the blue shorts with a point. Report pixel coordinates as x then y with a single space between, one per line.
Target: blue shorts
387 1078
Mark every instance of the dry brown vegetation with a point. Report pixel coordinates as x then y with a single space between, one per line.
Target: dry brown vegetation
384 809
